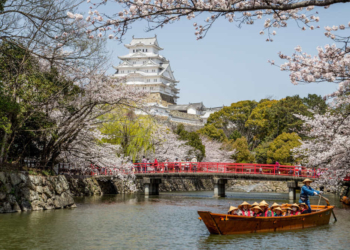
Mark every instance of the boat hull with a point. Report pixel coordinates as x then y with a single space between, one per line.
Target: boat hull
233 224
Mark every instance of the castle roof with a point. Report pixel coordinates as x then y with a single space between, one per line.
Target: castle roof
144 42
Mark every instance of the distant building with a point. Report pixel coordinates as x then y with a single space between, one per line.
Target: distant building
145 68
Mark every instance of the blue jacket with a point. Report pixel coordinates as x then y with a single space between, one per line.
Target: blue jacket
308 191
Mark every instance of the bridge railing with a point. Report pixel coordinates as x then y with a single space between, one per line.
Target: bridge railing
234 168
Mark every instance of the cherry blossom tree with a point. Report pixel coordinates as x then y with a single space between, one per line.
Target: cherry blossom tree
167 145
157 13
76 131
329 146
216 151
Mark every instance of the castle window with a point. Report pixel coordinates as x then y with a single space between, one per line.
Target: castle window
133 62
148 80
133 50
146 50
144 87
153 70
155 80
144 62
147 70
151 88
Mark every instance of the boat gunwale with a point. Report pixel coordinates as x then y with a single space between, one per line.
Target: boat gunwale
326 208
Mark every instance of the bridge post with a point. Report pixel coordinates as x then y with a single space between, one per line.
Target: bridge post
151 186
219 187
293 186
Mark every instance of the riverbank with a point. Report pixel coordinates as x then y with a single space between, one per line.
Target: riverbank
23 192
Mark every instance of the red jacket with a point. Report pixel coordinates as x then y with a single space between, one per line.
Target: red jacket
155 163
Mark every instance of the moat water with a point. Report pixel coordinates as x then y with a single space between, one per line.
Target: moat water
167 221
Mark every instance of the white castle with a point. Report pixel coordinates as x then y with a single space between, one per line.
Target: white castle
144 67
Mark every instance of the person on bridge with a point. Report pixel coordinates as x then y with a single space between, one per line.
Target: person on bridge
194 164
176 164
155 165
307 191
265 209
295 209
234 211
245 209
144 164
277 168
166 163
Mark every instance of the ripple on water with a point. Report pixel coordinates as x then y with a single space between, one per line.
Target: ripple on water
168 221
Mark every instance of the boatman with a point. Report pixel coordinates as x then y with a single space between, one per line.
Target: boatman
307 191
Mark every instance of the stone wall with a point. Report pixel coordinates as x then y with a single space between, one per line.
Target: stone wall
23 192
80 186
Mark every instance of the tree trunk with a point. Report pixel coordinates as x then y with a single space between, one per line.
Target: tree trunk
3 146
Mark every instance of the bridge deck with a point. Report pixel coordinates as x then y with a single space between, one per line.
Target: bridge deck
236 176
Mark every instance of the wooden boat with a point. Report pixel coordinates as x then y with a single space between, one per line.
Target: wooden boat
234 224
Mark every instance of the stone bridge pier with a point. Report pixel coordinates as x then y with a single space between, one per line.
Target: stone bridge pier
219 187
151 186
292 186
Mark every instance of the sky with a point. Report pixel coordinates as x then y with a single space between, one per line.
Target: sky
230 63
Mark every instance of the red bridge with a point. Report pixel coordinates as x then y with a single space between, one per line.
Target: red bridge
153 174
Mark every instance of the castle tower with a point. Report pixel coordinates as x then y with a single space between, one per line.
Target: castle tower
146 69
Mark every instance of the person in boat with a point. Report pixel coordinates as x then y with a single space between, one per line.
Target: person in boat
288 212
265 209
307 191
278 212
304 209
274 205
295 209
257 212
234 211
255 204
245 209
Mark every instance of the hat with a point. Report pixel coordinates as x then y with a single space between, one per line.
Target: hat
279 209
263 203
244 204
255 204
295 205
232 208
287 208
274 205
307 180
307 207
256 207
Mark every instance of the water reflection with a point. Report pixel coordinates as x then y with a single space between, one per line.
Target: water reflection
168 221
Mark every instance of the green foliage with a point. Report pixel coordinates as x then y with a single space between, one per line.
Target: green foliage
133 133
316 103
212 132
242 152
233 118
193 140
284 119
24 92
2 3
261 118
280 149
235 135
262 122
261 152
